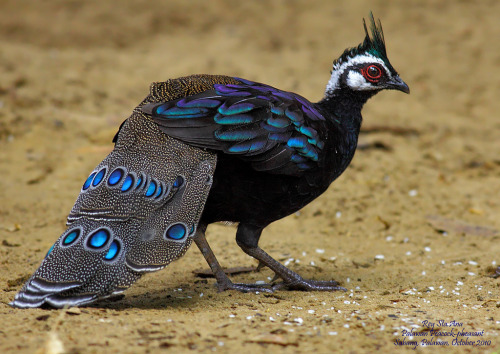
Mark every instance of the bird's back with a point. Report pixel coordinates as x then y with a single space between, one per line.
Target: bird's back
312 151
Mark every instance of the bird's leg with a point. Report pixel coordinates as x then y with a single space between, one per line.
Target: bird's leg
247 238
260 266
223 282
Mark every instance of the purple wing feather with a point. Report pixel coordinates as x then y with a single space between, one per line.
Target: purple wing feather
276 131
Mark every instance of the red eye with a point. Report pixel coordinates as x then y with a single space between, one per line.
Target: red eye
372 73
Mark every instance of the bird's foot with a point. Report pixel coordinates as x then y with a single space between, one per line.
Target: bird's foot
291 280
309 285
245 288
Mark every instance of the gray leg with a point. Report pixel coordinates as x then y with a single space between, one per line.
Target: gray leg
223 282
247 238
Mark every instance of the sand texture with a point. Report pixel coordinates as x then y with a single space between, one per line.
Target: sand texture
410 229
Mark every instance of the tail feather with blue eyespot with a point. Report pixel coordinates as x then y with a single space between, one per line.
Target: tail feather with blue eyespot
136 213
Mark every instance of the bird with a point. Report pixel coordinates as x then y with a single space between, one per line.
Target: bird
202 149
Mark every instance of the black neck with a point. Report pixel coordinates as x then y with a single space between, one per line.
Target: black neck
344 106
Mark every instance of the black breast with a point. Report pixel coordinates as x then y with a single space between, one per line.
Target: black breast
241 194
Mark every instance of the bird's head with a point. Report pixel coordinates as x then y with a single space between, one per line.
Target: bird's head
365 67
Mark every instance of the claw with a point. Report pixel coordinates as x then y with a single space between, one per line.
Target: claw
246 288
260 266
276 277
310 285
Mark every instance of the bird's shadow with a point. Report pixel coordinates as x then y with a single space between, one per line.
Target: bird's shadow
151 300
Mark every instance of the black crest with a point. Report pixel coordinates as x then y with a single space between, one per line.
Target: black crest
373 44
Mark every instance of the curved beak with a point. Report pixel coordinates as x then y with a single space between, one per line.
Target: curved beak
397 84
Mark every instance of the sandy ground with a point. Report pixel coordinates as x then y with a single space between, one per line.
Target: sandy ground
409 229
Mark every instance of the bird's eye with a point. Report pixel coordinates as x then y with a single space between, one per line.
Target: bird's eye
372 73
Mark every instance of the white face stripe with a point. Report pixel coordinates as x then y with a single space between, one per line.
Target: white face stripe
356 82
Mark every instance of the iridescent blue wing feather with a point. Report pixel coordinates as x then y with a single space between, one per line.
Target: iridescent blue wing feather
276 131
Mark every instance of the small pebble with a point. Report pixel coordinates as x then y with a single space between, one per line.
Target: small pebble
74 311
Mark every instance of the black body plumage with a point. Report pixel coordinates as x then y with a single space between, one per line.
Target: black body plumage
202 149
